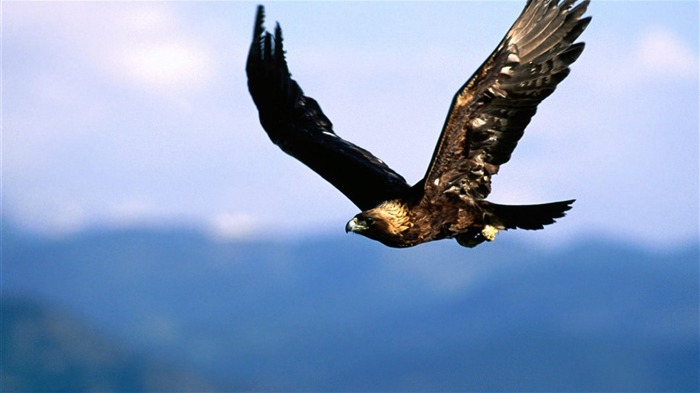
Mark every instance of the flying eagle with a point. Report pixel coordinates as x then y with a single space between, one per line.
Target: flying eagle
487 117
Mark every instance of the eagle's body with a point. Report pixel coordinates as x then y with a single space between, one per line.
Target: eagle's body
487 118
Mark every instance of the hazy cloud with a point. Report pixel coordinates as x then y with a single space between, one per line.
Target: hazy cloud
656 55
663 53
153 51
234 226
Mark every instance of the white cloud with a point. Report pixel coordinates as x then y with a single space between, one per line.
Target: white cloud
662 52
149 48
164 65
234 226
657 54
143 45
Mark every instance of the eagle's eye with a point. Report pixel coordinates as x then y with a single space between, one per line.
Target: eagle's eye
369 220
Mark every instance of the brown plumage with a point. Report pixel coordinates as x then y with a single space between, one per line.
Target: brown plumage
486 120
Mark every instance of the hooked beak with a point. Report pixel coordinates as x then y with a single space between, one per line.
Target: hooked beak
354 225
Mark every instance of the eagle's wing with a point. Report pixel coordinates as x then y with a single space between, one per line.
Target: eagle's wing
296 124
490 112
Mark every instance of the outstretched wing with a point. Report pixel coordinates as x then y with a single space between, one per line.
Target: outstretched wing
296 124
490 112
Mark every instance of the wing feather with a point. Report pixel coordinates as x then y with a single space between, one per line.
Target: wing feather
296 124
489 113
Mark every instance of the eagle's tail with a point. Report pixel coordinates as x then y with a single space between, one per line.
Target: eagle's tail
499 217
526 216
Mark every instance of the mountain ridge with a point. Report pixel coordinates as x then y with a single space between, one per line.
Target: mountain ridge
345 314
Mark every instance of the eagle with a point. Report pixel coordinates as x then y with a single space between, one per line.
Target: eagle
485 121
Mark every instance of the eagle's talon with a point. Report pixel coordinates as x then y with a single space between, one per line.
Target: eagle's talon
489 232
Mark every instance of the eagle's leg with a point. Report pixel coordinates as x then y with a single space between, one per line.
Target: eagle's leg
474 237
471 238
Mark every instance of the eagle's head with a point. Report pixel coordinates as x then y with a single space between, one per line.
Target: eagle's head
385 223
364 223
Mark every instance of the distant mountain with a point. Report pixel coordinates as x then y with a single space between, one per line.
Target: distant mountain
348 314
45 350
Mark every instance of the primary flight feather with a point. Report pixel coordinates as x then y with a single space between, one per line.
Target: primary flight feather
486 120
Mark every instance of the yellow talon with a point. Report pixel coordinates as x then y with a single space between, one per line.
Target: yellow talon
489 232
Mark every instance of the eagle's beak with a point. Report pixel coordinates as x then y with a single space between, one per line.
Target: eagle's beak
351 225
354 225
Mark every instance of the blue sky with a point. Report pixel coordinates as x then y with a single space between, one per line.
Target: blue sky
117 114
